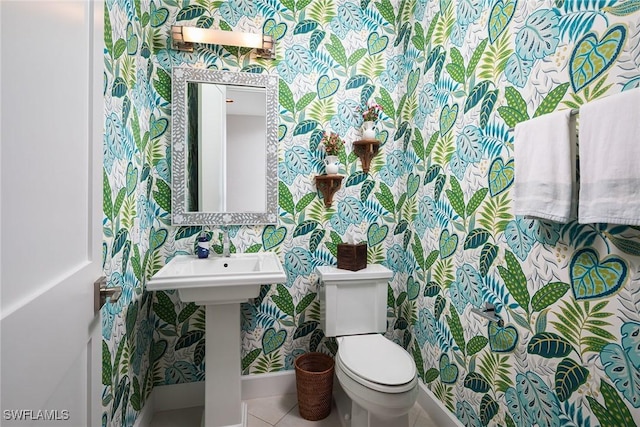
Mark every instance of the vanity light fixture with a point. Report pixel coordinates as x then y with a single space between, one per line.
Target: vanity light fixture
183 38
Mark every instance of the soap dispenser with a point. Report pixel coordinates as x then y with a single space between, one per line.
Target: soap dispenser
203 245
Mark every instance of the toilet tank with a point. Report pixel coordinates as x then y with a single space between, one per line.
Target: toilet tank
353 302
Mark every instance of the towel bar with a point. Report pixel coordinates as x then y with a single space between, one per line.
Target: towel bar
574 112
489 313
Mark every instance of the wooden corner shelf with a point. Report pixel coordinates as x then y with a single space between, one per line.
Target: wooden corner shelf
366 149
328 185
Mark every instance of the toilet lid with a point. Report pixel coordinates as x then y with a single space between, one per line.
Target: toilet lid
376 359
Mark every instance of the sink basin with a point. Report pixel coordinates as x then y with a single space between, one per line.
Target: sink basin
218 280
220 284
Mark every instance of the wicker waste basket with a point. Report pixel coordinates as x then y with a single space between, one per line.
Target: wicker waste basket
314 382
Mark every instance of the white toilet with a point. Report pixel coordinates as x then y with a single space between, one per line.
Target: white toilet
377 381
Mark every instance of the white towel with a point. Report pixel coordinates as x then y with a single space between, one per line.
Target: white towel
545 167
610 160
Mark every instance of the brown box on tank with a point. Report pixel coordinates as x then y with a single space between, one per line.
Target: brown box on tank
352 257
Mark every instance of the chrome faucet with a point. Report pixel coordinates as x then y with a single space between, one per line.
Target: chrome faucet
226 244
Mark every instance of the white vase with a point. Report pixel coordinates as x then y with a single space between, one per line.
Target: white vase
331 164
368 130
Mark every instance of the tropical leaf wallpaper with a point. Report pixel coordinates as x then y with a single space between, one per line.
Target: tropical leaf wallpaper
453 77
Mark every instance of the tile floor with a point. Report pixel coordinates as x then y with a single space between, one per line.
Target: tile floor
277 411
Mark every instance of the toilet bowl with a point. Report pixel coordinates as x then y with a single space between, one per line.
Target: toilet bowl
377 381
377 375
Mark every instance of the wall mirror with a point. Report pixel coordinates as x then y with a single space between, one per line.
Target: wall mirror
224 147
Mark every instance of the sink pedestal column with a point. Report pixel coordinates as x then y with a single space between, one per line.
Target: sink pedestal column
223 406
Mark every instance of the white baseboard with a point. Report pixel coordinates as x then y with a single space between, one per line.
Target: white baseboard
169 398
266 385
146 413
179 396
436 410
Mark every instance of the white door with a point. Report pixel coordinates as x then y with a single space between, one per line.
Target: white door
50 211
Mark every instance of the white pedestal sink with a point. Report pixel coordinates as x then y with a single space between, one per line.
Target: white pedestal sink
220 284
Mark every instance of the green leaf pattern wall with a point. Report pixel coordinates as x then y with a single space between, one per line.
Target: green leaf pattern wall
453 76
568 351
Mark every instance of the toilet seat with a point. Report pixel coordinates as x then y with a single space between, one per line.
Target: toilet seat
376 363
